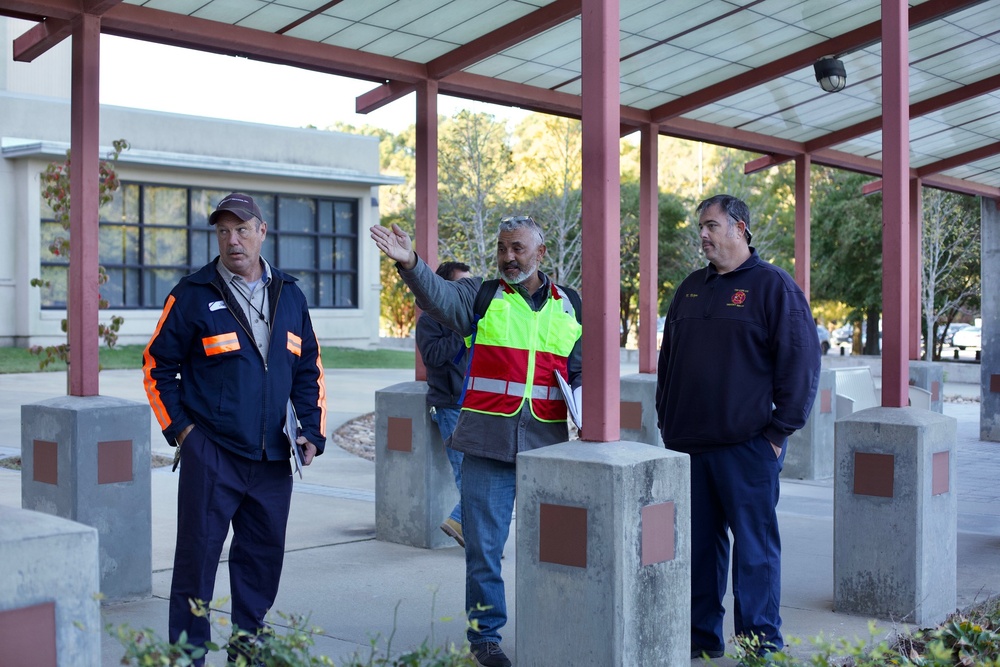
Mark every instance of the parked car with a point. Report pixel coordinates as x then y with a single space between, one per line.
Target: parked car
949 334
843 335
824 338
968 337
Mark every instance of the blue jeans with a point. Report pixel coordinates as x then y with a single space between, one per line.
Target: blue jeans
488 501
447 419
736 487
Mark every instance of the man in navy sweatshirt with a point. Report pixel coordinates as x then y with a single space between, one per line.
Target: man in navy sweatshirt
737 374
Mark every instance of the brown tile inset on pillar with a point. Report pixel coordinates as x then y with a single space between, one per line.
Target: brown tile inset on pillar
631 415
114 461
400 437
45 455
28 635
873 474
657 533
940 464
935 391
562 535
995 384
825 401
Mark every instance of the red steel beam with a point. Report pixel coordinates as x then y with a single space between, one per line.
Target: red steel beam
649 228
958 160
84 179
601 220
896 238
40 38
190 32
51 31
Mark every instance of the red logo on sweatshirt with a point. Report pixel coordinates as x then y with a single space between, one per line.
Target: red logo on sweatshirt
739 296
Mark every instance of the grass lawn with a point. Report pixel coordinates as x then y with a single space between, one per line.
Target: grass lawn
19 360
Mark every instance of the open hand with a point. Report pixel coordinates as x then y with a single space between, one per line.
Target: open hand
395 244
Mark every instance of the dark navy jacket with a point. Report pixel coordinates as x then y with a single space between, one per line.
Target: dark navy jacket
202 366
439 346
733 345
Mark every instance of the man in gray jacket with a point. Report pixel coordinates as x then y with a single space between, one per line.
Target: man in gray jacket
526 331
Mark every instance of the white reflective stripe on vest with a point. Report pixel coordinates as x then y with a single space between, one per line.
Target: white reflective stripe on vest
491 386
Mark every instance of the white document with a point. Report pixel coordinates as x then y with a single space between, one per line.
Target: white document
292 433
572 398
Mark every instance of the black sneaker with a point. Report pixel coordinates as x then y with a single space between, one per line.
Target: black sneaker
489 654
704 652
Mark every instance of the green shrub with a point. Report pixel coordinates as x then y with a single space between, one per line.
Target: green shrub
292 646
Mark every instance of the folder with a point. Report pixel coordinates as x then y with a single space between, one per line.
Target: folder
572 400
292 433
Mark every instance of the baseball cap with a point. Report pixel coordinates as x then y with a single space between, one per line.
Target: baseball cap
241 205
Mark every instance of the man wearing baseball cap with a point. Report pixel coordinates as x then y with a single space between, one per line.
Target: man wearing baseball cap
234 346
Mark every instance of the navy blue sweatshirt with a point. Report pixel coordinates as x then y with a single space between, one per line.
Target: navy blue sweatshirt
739 358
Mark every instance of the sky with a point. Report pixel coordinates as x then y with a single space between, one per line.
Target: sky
163 78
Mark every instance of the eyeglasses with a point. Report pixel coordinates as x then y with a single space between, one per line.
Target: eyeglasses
518 218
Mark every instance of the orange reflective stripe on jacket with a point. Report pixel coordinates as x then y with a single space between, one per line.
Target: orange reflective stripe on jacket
148 364
294 344
227 342
517 353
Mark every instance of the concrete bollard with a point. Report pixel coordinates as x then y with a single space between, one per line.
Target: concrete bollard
414 485
810 449
603 555
88 459
895 515
638 409
929 375
49 611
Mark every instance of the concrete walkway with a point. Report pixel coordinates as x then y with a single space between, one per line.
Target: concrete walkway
358 589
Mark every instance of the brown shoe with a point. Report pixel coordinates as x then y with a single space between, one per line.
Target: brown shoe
453 529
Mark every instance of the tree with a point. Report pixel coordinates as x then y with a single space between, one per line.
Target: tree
847 248
951 261
549 169
56 194
474 167
769 195
676 256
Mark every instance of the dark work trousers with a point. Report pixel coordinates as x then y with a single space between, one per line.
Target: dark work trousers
736 488
216 488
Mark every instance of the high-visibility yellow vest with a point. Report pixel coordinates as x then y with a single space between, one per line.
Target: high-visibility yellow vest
517 353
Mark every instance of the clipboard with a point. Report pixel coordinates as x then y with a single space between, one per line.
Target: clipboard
570 398
292 433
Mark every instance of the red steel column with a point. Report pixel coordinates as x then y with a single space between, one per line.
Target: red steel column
83 294
916 268
803 217
649 228
425 233
895 204
601 256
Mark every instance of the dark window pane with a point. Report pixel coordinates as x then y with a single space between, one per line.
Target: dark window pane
325 290
158 284
114 289
307 283
343 258
346 291
267 248
297 252
51 232
119 244
164 206
204 247
54 295
346 219
165 247
296 214
326 217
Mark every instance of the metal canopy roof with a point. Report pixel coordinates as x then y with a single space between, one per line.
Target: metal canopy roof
733 72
